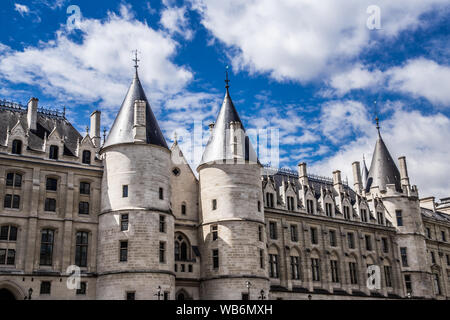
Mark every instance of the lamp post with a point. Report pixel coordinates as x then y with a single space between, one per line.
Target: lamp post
248 284
262 297
30 292
159 293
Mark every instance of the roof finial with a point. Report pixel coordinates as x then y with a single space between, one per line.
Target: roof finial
377 120
227 81
136 60
104 135
175 137
87 130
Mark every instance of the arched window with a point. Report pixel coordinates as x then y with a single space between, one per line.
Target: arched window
17 147
86 157
182 248
53 154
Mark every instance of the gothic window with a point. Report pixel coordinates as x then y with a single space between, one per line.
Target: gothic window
346 213
388 276
46 254
214 231
295 265
17 147
290 203
183 209
380 218
86 157
385 245
53 154
269 200
8 233
408 283
260 233
261 258
81 248
437 284
368 240
182 248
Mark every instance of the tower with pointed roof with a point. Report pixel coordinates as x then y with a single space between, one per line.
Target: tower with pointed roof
389 192
136 224
231 212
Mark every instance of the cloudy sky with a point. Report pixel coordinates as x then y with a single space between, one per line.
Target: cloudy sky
313 70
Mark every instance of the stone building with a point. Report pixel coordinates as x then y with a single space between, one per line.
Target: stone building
129 219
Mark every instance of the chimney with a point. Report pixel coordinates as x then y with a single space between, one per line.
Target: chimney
403 171
357 177
139 131
302 173
428 203
32 113
337 181
95 128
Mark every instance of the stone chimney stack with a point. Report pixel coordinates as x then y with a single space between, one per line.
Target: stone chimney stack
357 177
337 181
403 172
428 203
32 113
139 132
95 128
302 173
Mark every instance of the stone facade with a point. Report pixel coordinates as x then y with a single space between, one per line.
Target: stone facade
237 231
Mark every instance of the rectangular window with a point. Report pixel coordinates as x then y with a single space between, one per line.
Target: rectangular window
125 191
398 214
334 271
45 287
346 213
404 256
214 231
7 203
50 204
7 256
448 259
310 206
81 248
4 230
124 222
259 206
294 233
273 230
433 258
385 245
314 238
295 268
161 194
269 199
46 253
261 258
315 268
388 276
368 240
52 184
329 209
333 241
443 237
353 272
363 215
214 204
85 188
290 203
82 290
437 284
183 209
131 295
215 258
260 233
162 252
408 283
123 251
162 224
83 207
351 240
12 201
2 256
380 218
428 233
273 265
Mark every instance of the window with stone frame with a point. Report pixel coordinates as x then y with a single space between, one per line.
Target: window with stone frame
290 203
334 268
315 269
7 256
329 209
123 254
16 147
314 235
85 188
294 233
368 242
269 200
81 248
351 240
295 267
46 252
215 258
53 152
162 252
124 222
45 287
273 230
83 207
273 265
333 239
388 276
347 213
385 244
364 215
86 157
353 270
8 233
310 206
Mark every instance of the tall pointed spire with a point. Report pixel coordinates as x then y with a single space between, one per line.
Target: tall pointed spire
122 128
365 172
383 170
219 147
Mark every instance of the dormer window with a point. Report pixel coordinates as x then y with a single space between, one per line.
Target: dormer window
86 157
53 154
17 147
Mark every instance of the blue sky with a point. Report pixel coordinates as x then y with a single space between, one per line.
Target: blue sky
311 70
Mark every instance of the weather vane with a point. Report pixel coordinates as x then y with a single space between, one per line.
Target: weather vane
136 60
227 81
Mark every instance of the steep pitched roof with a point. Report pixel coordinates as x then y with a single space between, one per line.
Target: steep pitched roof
383 170
365 173
122 128
217 149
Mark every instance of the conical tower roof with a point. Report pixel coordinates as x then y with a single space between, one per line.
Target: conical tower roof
122 128
383 170
218 148
365 172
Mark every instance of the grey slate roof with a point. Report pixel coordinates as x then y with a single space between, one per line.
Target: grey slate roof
217 149
122 128
437 215
383 170
45 123
365 173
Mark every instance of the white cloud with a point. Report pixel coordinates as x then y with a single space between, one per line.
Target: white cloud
302 39
358 77
21 8
422 78
175 21
73 71
423 139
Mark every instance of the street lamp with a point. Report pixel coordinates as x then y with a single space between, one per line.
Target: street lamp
30 292
248 284
262 297
159 293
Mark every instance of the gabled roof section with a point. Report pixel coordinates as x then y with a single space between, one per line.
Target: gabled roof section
217 149
122 128
383 170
